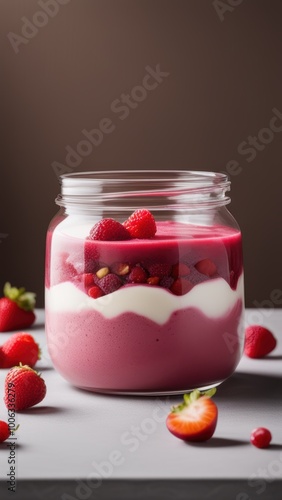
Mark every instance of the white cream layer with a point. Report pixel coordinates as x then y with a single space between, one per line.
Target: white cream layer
213 298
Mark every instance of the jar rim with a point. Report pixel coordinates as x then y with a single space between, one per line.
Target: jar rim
146 175
156 187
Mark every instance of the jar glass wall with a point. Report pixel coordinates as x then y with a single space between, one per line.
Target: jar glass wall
150 303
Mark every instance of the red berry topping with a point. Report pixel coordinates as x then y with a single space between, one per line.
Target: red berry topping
110 283
137 275
141 224
180 270
207 267
95 292
20 348
259 341
24 388
181 286
195 419
108 230
261 437
4 431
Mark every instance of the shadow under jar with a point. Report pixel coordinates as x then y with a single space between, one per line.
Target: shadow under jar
147 315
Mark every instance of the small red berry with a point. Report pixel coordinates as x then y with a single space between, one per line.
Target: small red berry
95 292
261 437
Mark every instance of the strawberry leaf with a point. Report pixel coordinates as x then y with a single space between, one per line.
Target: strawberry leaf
191 398
25 300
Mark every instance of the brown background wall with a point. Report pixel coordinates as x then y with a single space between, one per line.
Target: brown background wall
224 80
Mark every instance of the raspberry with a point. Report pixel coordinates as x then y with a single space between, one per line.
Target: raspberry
141 224
207 267
95 292
181 286
261 437
159 270
110 283
259 341
108 230
137 275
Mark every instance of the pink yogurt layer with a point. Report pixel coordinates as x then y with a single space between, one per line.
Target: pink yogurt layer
131 353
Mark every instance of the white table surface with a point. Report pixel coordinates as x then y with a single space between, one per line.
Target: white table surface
63 442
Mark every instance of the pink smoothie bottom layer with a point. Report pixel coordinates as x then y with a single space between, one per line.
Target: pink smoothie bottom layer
130 353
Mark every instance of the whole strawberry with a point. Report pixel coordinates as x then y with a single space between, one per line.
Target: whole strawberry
16 309
4 431
24 388
19 348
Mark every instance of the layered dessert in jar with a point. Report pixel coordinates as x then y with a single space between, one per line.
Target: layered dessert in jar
143 306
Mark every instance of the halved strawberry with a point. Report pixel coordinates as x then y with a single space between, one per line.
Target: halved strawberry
196 418
259 341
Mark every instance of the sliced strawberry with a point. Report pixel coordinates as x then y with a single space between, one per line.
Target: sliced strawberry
195 419
259 341
141 224
206 267
108 230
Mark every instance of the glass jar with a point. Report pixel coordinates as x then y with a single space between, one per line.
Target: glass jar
144 282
